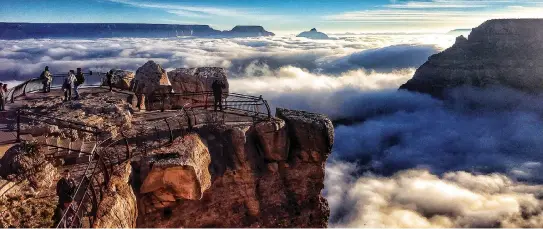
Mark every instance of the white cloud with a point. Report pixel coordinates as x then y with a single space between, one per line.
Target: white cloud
22 59
417 198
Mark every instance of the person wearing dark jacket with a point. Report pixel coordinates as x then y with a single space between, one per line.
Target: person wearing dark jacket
80 79
2 96
109 76
65 187
217 88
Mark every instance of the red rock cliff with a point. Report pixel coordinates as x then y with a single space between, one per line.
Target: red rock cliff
267 175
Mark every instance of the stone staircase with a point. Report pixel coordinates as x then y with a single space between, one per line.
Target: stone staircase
73 152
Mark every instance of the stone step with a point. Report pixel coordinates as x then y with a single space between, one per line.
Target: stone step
76 146
88 147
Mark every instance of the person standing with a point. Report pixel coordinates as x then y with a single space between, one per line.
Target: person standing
3 91
217 88
46 78
109 77
68 85
65 187
80 79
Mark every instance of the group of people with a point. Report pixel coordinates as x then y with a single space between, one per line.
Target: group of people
3 95
65 210
72 82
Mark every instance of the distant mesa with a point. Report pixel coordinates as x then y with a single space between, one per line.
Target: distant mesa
314 34
248 31
10 31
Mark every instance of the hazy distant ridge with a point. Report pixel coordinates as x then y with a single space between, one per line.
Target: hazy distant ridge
9 31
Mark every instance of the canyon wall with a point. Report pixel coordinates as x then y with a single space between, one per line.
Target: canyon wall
506 52
265 175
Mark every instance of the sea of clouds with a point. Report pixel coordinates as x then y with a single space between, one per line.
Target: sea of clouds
405 159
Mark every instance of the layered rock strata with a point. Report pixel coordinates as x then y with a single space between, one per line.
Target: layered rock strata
504 52
267 175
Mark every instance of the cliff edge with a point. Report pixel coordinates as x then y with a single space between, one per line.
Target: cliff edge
504 52
265 175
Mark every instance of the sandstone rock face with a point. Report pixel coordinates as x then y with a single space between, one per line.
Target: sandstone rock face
151 77
313 134
193 80
177 172
18 165
506 52
274 139
121 79
108 114
258 178
119 207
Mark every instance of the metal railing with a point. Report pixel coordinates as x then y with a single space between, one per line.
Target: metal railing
94 183
36 85
151 135
248 105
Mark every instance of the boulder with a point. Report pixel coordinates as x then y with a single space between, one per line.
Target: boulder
312 134
273 139
151 78
194 80
179 171
121 79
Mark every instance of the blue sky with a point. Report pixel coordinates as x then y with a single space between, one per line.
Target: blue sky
278 16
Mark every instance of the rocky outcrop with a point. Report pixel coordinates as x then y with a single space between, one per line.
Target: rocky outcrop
106 113
118 209
314 34
121 79
267 175
504 52
26 162
192 80
274 140
151 77
176 172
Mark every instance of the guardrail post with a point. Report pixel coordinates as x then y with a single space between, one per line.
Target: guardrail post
171 132
18 126
163 102
24 89
127 145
